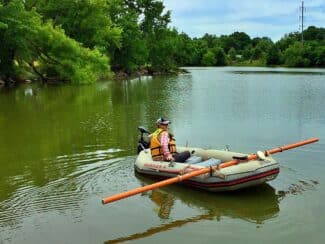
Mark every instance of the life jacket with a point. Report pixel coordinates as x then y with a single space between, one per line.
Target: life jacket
155 145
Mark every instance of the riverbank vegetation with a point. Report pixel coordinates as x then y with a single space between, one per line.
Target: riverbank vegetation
82 41
239 49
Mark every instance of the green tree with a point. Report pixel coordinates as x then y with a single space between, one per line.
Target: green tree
85 21
202 48
313 33
248 53
262 47
208 58
227 42
320 56
155 19
287 40
232 53
132 53
220 56
187 51
163 47
241 40
257 53
146 38
273 56
161 41
33 47
211 40
295 56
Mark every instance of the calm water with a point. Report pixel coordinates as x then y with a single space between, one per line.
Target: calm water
64 148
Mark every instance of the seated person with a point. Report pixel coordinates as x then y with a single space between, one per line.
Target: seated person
162 144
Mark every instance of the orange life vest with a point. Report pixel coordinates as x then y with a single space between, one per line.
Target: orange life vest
155 145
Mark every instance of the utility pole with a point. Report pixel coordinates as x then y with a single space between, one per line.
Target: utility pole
303 9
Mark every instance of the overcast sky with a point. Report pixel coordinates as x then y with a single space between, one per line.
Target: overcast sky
258 18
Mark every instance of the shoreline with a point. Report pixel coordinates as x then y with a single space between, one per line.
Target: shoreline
122 75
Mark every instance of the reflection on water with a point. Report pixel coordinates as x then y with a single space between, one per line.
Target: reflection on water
162 228
255 205
261 202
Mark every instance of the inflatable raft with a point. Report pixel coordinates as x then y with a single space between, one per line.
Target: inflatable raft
212 170
244 174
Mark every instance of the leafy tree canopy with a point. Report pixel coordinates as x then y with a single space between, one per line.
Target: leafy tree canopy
79 40
33 47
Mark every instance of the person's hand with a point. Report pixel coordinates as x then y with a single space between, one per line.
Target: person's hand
171 161
170 158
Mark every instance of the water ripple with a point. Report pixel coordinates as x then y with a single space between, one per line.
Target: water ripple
83 175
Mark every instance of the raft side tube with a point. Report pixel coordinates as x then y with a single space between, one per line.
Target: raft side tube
224 156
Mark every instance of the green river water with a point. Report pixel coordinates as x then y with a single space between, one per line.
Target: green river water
64 148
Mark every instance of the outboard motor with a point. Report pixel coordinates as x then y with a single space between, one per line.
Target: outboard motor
143 141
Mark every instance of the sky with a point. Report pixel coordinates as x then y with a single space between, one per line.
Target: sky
257 18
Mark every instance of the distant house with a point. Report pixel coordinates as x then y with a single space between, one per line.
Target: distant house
238 56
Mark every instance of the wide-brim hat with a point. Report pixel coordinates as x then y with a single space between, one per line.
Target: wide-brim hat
162 121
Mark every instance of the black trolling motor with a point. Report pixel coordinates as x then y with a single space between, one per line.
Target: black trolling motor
144 140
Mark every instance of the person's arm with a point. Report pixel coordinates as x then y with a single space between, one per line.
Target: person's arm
164 141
